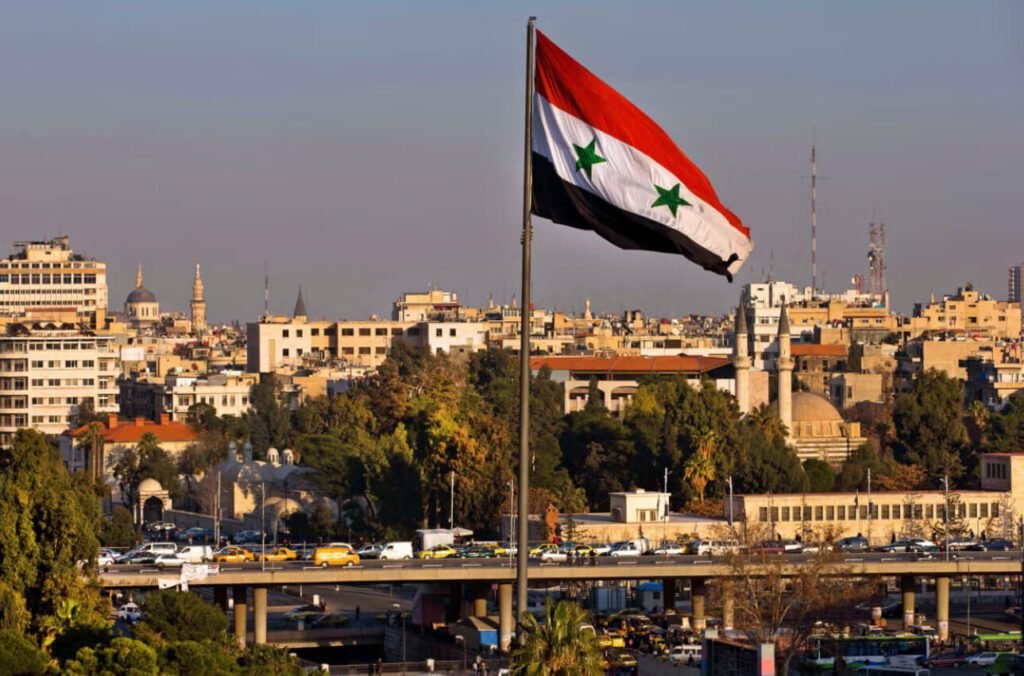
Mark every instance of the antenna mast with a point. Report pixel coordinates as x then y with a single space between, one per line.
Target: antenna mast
876 260
266 289
814 212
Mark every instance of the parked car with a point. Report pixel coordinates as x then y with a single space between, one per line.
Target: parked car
602 549
196 553
129 612
792 547
944 660
332 621
278 554
139 558
682 653
712 547
155 548
984 659
437 552
233 555
857 543
535 552
626 549
565 553
960 544
112 553
768 547
105 559
246 536
910 545
196 533
992 545
370 551
669 550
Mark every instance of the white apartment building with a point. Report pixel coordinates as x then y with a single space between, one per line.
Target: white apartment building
454 337
433 304
228 392
47 370
49 275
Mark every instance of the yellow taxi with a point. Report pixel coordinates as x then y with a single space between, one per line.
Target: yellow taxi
335 556
278 554
540 549
437 552
233 555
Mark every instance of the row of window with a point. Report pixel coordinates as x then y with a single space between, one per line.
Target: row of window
15 265
46 278
973 510
50 419
68 364
63 382
994 470
38 345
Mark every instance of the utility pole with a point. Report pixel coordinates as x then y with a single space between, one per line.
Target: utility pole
945 514
263 524
729 481
870 506
451 504
814 213
216 515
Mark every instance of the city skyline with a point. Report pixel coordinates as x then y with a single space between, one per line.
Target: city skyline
317 150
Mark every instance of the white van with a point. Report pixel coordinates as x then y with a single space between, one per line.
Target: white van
196 553
681 654
156 548
394 551
714 547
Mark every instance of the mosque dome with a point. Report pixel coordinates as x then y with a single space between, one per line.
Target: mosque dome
141 295
150 486
809 407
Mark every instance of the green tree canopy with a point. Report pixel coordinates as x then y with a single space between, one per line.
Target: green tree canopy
557 646
929 426
821 478
19 656
180 616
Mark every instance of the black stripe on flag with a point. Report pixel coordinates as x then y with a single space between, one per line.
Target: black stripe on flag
564 203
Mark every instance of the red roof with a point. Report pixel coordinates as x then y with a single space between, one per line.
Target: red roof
676 364
816 350
131 431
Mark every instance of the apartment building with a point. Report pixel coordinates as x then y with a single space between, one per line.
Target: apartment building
967 311
47 370
432 304
49 275
151 397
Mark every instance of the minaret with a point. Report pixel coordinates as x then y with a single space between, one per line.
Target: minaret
741 361
587 314
138 276
784 367
300 308
198 304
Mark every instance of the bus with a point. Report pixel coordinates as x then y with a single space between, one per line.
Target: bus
998 643
860 651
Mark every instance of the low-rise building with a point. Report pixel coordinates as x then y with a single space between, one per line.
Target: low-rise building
150 397
995 375
974 313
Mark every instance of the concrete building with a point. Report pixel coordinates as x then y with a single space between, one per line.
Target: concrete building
617 378
995 375
947 353
429 305
976 314
995 509
47 370
48 275
172 395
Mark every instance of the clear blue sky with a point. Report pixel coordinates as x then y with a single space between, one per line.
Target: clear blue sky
368 148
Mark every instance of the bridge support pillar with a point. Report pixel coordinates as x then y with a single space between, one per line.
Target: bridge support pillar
668 593
908 589
942 607
259 615
728 605
241 595
479 591
220 597
454 602
505 623
698 597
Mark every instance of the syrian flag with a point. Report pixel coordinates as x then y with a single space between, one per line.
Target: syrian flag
600 164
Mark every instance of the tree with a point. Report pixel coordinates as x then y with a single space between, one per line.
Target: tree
118 530
767 464
121 657
185 658
821 478
91 439
268 419
48 523
1006 428
853 475
19 656
928 421
782 604
179 616
558 646
146 461
699 470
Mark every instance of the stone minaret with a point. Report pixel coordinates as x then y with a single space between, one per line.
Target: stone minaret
138 276
784 367
741 361
198 304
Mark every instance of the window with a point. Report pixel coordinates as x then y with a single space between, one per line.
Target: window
929 512
364 350
439 332
396 332
314 332
785 514
298 333
71 364
762 514
380 332
974 510
348 350
983 510
819 513
885 511
286 352
451 332
841 512
896 512
382 350
364 332
830 512
285 333
347 332
775 514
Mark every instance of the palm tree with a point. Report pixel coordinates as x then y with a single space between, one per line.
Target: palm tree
563 645
91 439
699 470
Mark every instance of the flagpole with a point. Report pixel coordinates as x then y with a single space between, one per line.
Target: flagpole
523 543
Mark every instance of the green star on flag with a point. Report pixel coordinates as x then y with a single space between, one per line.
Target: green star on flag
669 198
588 157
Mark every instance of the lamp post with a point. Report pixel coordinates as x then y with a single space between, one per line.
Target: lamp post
945 514
401 615
511 520
451 504
263 525
729 481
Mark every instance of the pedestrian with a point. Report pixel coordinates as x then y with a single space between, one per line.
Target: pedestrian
892 538
380 665
984 536
357 612
972 534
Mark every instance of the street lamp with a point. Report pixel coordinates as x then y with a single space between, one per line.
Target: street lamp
511 519
729 481
945 513
401 615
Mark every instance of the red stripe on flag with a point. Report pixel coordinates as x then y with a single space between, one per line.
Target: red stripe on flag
569 86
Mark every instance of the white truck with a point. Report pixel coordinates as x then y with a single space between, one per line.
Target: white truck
428 538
